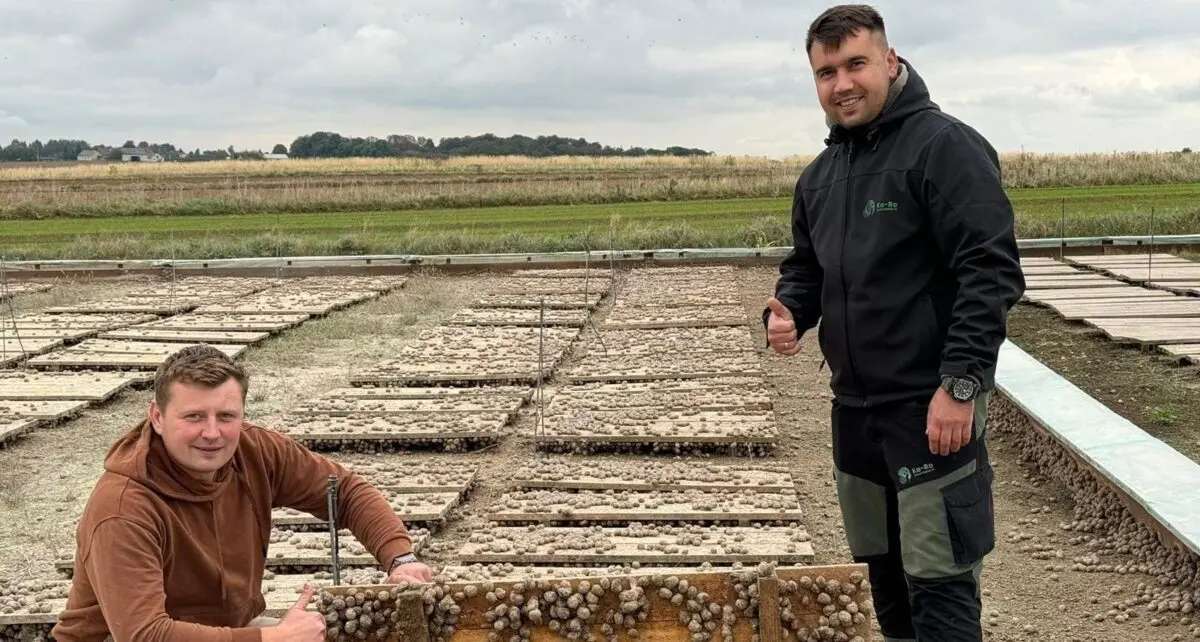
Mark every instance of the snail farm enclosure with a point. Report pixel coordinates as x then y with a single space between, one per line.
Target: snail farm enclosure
652 502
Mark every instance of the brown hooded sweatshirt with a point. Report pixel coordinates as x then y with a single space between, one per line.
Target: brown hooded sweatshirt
163 556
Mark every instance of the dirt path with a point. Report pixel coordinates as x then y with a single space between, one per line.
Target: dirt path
1025 598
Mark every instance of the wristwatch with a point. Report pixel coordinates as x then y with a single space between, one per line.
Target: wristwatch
406 558
963 389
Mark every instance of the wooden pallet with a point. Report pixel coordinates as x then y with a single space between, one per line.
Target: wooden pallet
371 407
463 372
563 273
14 427
620 367
72 321
569 473
1064 283
140 305
669 340
316 303
1156 272
439 474
552 506
382 283
89 386
1120 292
1140 309
481 393
547 285
42 410
1184 352
316 430
106 355
14 350
664 545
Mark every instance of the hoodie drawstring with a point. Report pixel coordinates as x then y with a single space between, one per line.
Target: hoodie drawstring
220 557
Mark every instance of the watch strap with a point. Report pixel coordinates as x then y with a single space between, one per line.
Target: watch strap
405 558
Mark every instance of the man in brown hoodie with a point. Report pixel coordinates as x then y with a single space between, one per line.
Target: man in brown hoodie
173 541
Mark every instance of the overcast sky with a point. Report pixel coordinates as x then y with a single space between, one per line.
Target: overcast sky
727 75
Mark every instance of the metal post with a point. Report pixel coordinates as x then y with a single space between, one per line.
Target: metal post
331 498
1150 257
1062 231
540 429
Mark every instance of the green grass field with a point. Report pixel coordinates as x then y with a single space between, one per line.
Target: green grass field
753 222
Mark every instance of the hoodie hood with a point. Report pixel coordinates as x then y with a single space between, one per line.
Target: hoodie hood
141 456
907 95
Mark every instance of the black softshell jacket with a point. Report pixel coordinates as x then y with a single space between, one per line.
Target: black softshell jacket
904 251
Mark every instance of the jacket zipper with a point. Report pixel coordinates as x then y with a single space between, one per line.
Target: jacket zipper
846 217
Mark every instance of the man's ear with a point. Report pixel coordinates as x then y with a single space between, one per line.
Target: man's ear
155 417
893 63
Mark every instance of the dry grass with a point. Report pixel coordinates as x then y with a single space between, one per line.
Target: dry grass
368 184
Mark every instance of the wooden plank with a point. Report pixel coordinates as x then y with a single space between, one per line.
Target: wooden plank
230 322
664 544
426 508
1189 288
160 306
82 356
1043 270
770 617
616 367
115 346
416 392
1104 260
563 273
1157 272
185 336
1160 331
316 430
438 474
748 393
91 386
14 427
569 473
340 407
665 340
574 318
381 283
667 316
99 321
1062 283
1184 352
290 301
63 334
1147 308
626 507
42 410
464 372
550 301
1122 292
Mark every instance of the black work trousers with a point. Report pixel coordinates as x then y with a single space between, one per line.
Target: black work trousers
922 522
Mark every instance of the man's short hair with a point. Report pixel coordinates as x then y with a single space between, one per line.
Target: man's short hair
838 23
197 365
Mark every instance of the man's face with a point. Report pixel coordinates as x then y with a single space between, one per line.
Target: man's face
853 81
200 426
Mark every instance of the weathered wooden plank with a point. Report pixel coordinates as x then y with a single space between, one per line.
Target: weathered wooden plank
626 507
92 386
1156 272
667 340
426 508
669 316
229 322
42 410
481 393
1106 260
550 301
563 273
1157 331
116 346
663 544
1185 352
80 321
464 372
616 367
84 356
310 429
185 336
343 407
438 474
1145 309
747 393
157 306
1120 292
382 283
569 473
574 318
1050 269
13 427
1062 283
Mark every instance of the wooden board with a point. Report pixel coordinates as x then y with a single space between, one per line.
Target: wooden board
83 356
617 367
1060 283
116 346
1157 272
342 407
185 336
1050 269
414 508
747 393
572 473
1158 331
673 545
90 386
563 273
649 424
290 549
316 303
157 306
99 321
35 332
1146 308
13 427
42 410
553 506
667 316
230 322
1118 292
669 340
1189 288
16 350
1184 352
381 283
439 474
550 301
461 372
1106 260
398 392
410 427
519 317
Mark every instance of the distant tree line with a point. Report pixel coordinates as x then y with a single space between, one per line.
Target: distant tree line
332 145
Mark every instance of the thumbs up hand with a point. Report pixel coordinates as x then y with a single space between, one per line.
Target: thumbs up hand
781 329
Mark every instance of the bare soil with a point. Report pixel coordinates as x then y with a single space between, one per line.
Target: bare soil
45 479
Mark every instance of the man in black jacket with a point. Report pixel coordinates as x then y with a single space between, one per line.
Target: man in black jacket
904 249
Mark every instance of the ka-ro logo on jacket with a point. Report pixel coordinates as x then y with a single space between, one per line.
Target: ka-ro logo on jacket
874 207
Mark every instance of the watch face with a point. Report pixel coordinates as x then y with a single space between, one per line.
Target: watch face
964 389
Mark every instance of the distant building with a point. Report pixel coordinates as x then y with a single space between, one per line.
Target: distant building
88 155
275 156
139 155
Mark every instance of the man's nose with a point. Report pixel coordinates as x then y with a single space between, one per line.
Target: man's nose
211 429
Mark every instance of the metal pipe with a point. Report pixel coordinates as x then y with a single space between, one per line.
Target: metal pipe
331 499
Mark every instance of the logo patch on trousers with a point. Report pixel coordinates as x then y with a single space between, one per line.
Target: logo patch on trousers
906 474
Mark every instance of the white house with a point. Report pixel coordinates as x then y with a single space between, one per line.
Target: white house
139 155
88 155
